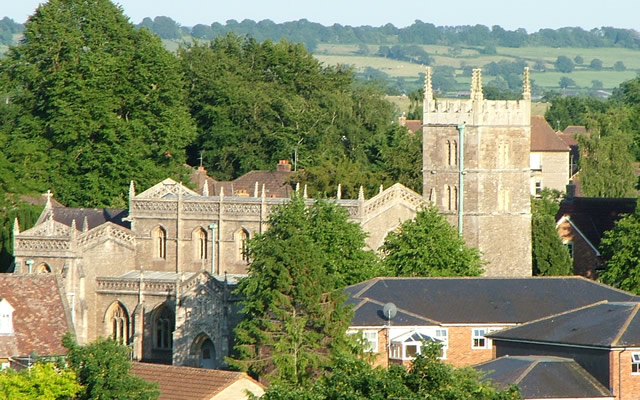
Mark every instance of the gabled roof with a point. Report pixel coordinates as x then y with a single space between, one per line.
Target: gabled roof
543 137
40 318
433 301
594 216
94 216
575 130
543 377
187 383
275 183
605 324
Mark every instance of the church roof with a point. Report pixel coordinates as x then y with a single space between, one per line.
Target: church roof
543 377
428 301
40 318
187 383
543 137
94 216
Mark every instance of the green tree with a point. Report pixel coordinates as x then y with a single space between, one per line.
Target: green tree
102 368
293 301
565 82
620 248
619 66
43 381
596 64
427 378
596 84
96 104
429 246
564 64
550 256
578 60
607 169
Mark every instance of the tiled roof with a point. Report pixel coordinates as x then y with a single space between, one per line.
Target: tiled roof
543 377
543 137
275 183
429 301
594 216
41 315
94 216
605 324
187 383
413 125
575 130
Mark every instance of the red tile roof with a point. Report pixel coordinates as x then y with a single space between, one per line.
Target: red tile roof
575 130
275 183
187 383
41 315
543 137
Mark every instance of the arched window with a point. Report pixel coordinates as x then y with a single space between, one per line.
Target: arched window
163 326
453 153
447 150
242 241
159 237
118 323
200 244
446 198
43 269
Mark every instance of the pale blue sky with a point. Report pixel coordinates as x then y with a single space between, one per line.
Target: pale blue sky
510 14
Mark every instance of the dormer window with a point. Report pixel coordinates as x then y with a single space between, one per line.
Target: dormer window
6 318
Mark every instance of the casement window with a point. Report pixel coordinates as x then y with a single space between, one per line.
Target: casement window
538 188
478 341
369 340
635 363
535 162
569 248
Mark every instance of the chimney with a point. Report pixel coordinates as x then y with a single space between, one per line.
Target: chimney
571 191
283 166
402 120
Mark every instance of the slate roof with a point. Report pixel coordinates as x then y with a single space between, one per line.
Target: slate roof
543 137
594 216
543 377
605 324
95 216
41 315
187 383
433 301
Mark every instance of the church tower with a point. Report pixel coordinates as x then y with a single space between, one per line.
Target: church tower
476 171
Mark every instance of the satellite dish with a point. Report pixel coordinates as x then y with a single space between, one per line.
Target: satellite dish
389 310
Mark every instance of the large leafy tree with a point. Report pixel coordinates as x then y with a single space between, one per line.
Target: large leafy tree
94 103
293 301
620 248
43 381
255 103
102 368
426 378
550 256
429 246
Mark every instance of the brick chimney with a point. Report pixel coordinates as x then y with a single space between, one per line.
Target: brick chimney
283 166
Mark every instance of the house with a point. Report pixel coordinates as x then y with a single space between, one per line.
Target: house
412 125
570 137
603 338
187 383
34 316
581 223
549 158
394 315
541 377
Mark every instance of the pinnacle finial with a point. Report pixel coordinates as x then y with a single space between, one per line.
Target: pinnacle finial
255 190
381 188
205 189
361 193
49 195
304 194
132 190
526 84
476 84
221 191
16 227
264 191
428 87
339 194
85 224
298 187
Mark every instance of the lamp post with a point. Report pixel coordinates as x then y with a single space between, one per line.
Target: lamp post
213 228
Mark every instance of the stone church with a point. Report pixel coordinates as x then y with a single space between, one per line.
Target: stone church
160 275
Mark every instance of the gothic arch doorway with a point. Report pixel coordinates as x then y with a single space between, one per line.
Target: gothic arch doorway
204 352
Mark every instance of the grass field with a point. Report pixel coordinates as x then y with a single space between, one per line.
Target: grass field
459 57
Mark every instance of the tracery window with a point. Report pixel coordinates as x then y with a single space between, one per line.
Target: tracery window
118 323
160 242
200 240
242 242
163 326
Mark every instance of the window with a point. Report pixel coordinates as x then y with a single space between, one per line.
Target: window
478 341
163 329
538 188
451 149
160 242
635 363
242 241
569 248
370 341
200 239
43 269
450 198
535 162
6 318
118 323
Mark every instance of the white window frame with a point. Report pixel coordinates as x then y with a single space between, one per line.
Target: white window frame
370 341
535 161
635 363
479 335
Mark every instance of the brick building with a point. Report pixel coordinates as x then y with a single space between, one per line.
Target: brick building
460 312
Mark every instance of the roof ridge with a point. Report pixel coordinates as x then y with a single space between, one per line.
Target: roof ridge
626 324
406 312
526 372
367 286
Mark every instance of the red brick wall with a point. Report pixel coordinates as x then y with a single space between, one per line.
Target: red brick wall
626 386
585 259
